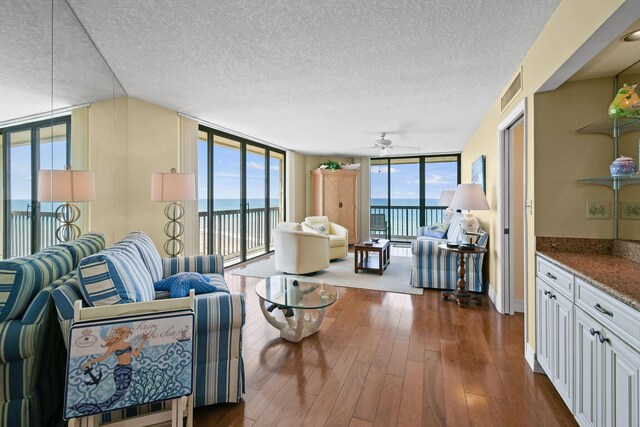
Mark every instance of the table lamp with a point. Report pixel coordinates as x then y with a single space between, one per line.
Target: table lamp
445 200
469 197
175 188
66 186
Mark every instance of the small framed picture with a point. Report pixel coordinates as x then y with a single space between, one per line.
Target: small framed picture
477 173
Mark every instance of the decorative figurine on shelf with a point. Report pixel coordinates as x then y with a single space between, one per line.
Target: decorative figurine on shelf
623 166
626 104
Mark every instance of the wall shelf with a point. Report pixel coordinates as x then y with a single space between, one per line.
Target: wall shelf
608 126
613 182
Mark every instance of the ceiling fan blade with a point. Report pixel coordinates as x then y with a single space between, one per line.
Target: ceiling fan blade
373 147
404 147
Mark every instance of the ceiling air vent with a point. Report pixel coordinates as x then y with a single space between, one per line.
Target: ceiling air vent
514 88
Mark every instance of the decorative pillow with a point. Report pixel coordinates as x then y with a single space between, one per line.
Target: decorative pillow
437 230
180 284
148 252
320 228
116 275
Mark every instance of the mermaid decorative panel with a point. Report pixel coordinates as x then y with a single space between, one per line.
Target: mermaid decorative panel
128 361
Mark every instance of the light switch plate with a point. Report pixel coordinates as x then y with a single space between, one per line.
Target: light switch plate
629 210
598 210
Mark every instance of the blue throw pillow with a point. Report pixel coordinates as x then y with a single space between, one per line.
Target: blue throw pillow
438 230
180 284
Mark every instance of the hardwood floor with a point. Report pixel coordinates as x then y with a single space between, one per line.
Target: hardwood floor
384 359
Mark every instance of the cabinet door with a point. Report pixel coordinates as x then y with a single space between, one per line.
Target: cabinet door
544 328
588 368
331 191
562 363
622 381
348 200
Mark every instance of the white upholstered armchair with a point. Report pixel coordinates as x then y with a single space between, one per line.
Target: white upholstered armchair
299 252
338 235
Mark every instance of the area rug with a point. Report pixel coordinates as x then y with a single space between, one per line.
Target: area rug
340 273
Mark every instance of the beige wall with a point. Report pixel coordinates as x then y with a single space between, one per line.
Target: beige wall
296 186
563 156
567 29
128 140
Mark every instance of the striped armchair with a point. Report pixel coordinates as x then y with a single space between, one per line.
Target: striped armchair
31 349
438 269
219 317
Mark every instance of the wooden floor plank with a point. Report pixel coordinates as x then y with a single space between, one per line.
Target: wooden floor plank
389 405
370 396
433 407
454 397
412 390
478 409
348 398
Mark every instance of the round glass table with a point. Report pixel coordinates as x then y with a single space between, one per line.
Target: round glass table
298 299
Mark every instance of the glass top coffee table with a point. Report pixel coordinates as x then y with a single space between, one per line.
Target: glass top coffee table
297 299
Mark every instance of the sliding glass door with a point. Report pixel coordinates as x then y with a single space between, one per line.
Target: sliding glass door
240 195
405 193
28 225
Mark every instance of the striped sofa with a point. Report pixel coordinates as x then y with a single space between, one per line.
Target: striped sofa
32 356
219 369
434 268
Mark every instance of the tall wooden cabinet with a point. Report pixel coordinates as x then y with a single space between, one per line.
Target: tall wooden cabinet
335 195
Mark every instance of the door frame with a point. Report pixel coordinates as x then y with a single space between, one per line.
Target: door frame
505 304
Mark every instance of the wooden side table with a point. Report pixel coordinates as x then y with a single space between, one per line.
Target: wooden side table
462 295
362 262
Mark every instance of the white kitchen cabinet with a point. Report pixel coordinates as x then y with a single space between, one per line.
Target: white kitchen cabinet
544 315
588 371
621 382
555 338
587 343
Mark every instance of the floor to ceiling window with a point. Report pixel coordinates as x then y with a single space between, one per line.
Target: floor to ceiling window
29 225
240 195
405 193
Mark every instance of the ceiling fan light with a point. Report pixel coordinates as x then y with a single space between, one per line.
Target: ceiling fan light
384 151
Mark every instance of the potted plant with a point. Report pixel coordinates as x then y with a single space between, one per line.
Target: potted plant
329 164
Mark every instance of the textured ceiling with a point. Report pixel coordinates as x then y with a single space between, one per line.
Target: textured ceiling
320 76
79 73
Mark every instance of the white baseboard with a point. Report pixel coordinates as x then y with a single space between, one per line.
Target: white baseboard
494 299
518 306
530 356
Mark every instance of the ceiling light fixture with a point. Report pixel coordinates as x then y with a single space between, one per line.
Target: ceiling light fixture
633 36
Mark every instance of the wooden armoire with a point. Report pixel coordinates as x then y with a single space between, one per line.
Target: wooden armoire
335 195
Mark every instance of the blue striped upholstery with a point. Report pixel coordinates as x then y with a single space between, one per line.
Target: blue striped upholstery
436 268
148 252
32 355
85 245
199 264
22 278
115 275
219 369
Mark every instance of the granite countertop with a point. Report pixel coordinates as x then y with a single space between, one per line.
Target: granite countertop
614 275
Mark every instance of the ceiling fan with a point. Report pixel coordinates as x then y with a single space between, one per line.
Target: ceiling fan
384 146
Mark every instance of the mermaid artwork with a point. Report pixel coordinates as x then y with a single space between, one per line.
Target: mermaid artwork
114 343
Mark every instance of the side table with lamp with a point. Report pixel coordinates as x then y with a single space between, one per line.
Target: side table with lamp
462 295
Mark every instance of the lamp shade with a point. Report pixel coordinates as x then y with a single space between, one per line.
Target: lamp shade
445 197
470 197
66 186
173 187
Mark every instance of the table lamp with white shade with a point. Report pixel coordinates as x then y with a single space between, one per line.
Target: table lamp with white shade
469 197
175 188
66 186
445 200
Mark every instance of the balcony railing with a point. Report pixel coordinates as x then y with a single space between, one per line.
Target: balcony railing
226 231
20 243
403 221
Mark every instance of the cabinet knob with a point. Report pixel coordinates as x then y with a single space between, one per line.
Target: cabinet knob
339 204
594 332
551 276
547 292
552 295
602 339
